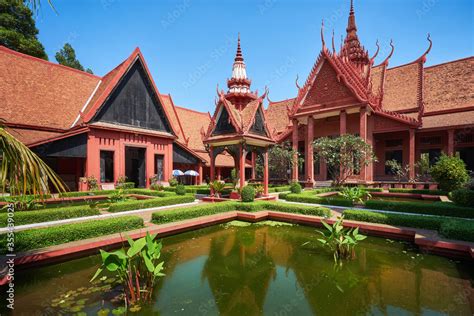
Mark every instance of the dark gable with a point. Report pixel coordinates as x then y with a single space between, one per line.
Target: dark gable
258 126
135 103
223 126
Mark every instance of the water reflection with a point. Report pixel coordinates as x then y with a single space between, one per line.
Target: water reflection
262 269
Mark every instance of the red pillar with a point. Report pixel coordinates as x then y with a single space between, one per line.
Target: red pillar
294 174
309 152
254 163
242 166
199 177
265 172
342 122
450 142
363 135
411 153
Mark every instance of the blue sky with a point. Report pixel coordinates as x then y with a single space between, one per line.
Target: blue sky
189 45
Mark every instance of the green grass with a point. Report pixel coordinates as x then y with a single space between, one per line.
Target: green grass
211 209
46 215
45 237
457 229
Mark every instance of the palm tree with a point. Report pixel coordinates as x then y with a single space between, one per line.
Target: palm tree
22 170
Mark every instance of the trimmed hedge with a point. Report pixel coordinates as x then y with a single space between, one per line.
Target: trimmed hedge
141 204
458 229
150 192
463 197
44 237
211 209
419 191
107 192
248 193
435 208
19 197
306 198
453 228
38 216
86 193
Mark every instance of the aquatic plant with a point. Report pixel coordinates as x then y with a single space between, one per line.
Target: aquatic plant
355 194
340 240
137 268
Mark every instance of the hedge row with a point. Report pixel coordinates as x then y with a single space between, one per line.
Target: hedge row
435 208
44 237
195 189
107 192
86 193
305 198
20 197
38 216
141 204
453 228
150 192
462 197
419 191
210 209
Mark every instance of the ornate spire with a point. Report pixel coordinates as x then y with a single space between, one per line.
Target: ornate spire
352 48
239 85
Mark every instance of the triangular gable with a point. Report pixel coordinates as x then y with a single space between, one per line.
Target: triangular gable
259 125
327 87
133 70
224 124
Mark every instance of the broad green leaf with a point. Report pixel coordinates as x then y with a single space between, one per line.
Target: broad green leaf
327 226
158 268
99 271
148 263
136 247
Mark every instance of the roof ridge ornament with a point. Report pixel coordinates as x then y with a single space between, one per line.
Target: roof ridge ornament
322 35
423 57
385 62
376 53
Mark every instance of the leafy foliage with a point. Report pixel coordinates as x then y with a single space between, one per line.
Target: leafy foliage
67 57
344 156
248 193
355 194
117 196
17 29
23 170
340 240
400 173
217 186
138 268
463 197
450 173
280 161
173 182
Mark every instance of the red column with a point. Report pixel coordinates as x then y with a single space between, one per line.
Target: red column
450 142
199 177
212 167
411 153
309 152
370 141
294 174
342 122
265 172
242 166
363 135
254 163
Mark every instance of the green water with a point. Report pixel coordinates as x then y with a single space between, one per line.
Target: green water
254 269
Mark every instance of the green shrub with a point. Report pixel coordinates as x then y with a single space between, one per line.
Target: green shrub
295 187
173 182
306 198
210 209
417 221
450 173
248 193
37 216
180 189
279 188
150 192
44 237
463 197
150 203
458 229
282 196
418 191
435 208
373 189
126 185
86 193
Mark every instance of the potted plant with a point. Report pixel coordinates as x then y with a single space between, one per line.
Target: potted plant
258 191
217 187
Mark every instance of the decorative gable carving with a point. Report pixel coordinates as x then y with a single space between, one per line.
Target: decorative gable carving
258 127
223 125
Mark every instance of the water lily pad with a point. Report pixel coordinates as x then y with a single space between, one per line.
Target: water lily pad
135 308
103 312
77 308
119 311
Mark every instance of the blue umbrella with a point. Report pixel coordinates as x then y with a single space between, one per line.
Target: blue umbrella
191 173
177 173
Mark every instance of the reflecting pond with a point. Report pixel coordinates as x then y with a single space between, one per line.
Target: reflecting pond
265 268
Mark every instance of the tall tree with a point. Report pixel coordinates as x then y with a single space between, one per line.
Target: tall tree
67 57
18 30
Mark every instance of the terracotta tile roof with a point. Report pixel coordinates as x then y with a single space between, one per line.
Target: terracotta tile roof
401 87
193 122
173 116
449 85
277 115
28 136
376 77
41 93
450 119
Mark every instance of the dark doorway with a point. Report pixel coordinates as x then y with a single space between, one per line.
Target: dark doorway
159 167
135 166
